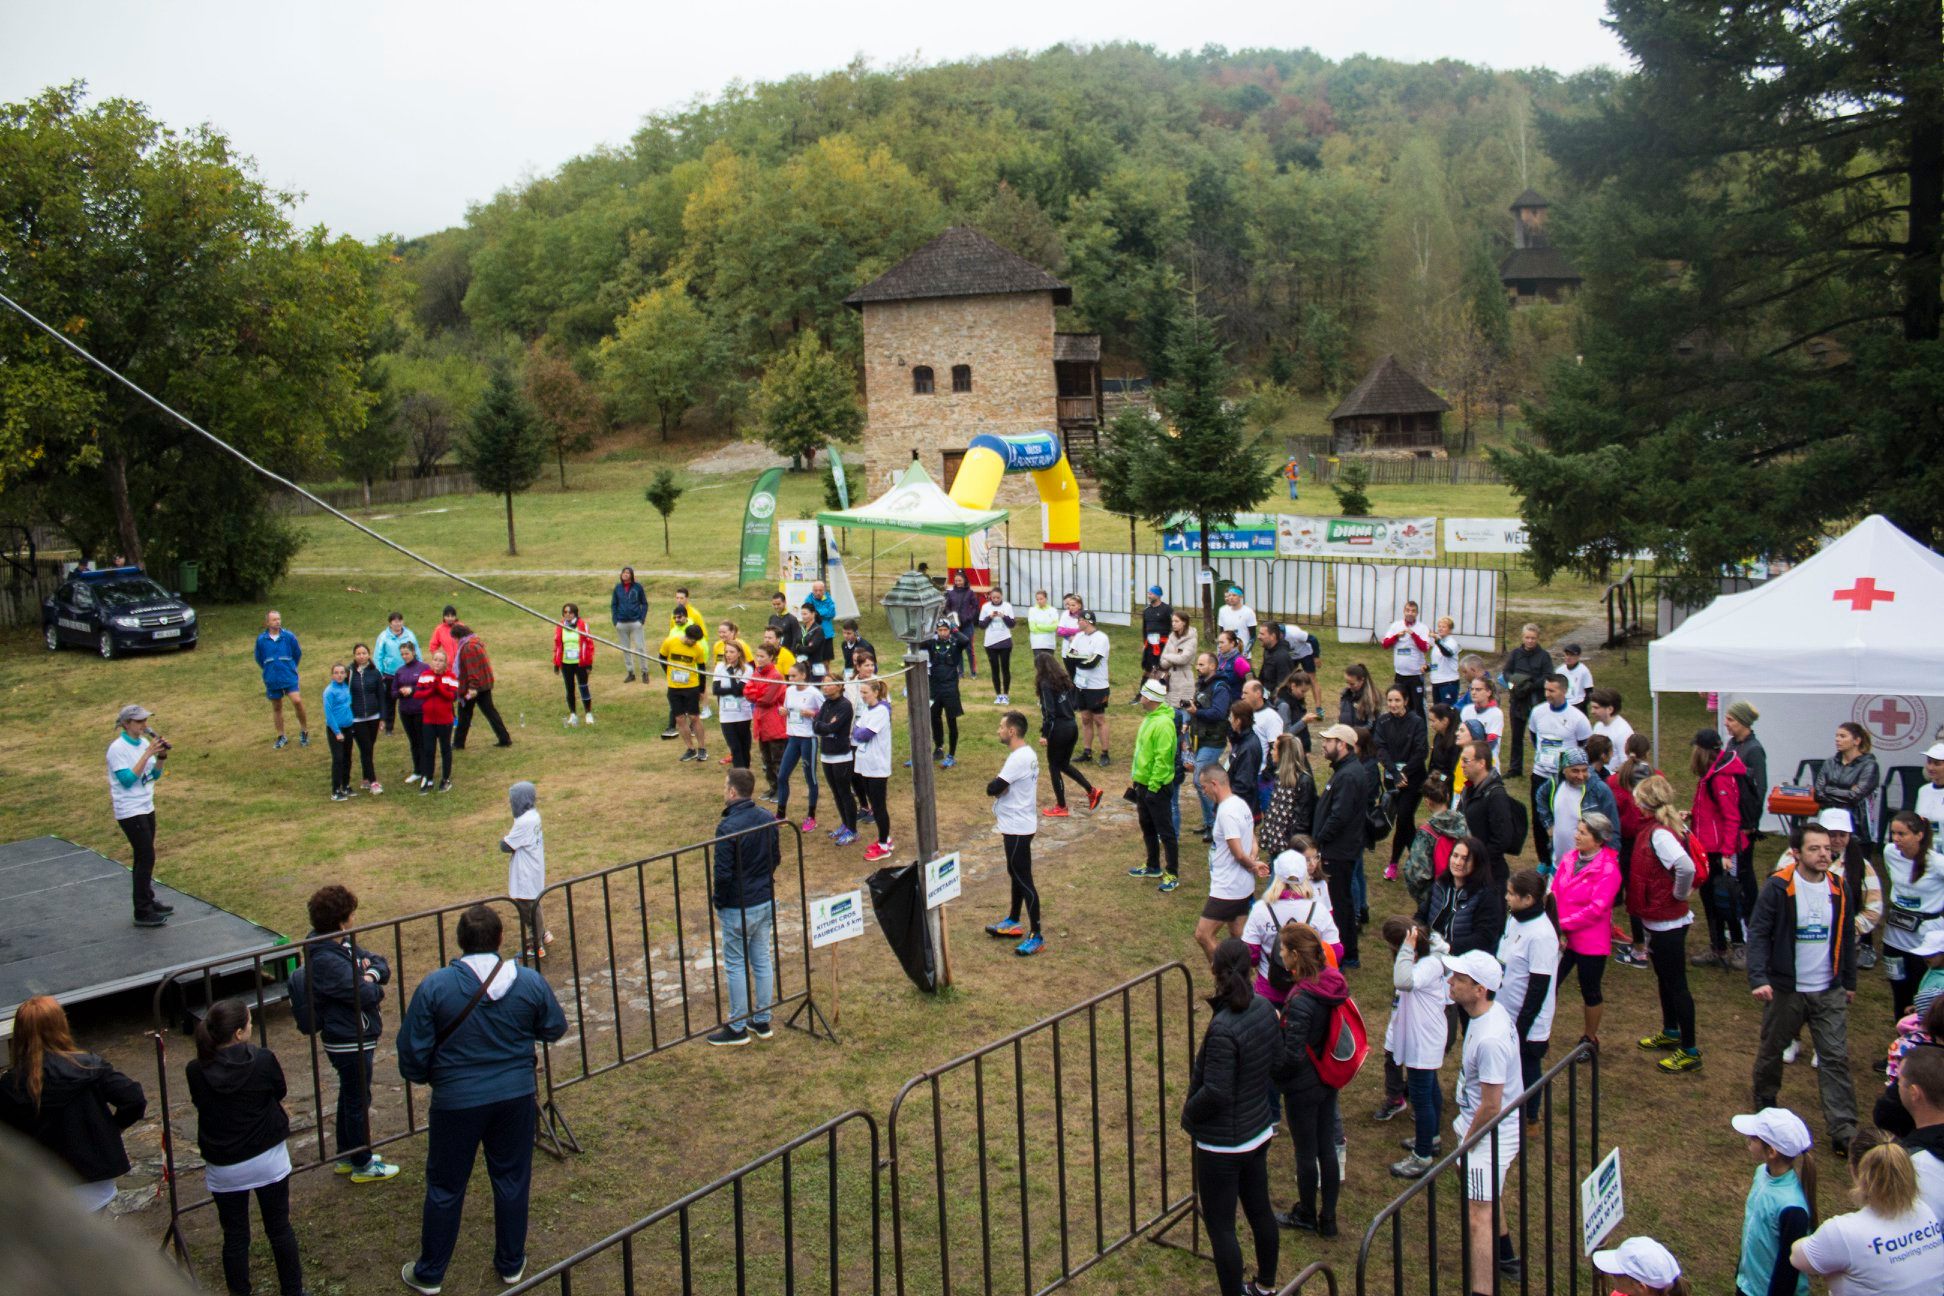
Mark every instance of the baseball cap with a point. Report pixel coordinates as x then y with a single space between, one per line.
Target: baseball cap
133 711
1778 1127
1155 691
1155 590
1292 864
1836 819
1479 966
1342 733
1934 752
1085 614
1641 1259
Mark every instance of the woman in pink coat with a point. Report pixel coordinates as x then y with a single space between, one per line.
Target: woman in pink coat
1584 890
1717 827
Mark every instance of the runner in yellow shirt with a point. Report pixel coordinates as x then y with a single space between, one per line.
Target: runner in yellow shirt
685 657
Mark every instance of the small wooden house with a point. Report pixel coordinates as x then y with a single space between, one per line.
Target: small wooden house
1389 412
1535 270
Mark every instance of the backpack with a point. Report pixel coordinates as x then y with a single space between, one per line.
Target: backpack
1346 1043
1700 858
1377 815
1750 800
1521 825
298 987
1421 863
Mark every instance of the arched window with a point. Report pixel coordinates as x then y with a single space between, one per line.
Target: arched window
961 378
921 380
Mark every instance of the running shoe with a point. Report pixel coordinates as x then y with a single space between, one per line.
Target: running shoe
1389 1109
377 789
281 743
1681 1060
1030 946
1168 883
303 738
810 824
1057 812
843 837
1707 958
1390 871
572 720
875 852
1145 872
1412 1166
376 1170
951 762
1093 798
1792 1052
1661 1040
1005 927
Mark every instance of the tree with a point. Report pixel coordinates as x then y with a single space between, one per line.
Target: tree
504 448
806 400
1352 489
568 410
662 493
661 357
427 423
1199 458
1761 317
371 451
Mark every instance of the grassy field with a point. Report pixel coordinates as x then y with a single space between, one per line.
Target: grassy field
253 830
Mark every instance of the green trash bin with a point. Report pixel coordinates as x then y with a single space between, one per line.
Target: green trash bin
186 574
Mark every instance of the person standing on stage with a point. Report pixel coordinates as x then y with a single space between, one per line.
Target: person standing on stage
1410 647
134 764
277 656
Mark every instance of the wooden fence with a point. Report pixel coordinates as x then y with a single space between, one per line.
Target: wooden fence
20 600
1407 472
406 490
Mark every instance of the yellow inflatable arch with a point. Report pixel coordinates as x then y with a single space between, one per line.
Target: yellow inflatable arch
987 460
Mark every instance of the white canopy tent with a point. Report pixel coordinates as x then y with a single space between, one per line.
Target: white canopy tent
1855 633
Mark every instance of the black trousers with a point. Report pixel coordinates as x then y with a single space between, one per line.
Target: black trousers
233 1213
365 734
484 705
874 792
576 677
735 734
838 775
1406 804
944 727
414 739
353 1104
438 744
1512 758
1019 868
1157 811
1532 1064
1413 686
1059 759
340 741
999 662
1338 872
1224 1180
772 760
1667 953
140 831
1314 1128
390 702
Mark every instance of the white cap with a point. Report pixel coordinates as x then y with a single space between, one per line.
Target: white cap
1929 945
1478 965
1641 1259
1836 819
1934 752
1778 1127
1291 864
1155 691
133 711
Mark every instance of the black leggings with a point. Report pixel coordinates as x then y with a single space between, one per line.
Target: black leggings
1592 971
1059 759
1314 1127
340 740
874 789
838 775
944 722
438 744
1019 867
365 734
1667 952
735 736
1903 989
1223 1180
999 662
414 739
572 676
233 1212
1407 804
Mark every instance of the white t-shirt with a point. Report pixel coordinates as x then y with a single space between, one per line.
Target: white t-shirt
1578 680
526 868
1084 645
1268 728
139 799
1617 731
1017 808
1876 1256
1239 621
800 706
993 617
1812 966
1567 800
1491 1056
1529 949
874 757
1444 667
269 1166
1930 805
1228 878
1407 654
1268 918
1416 1034
1554 731
1493 719
1925 895
1672 854
1930 1181
730 709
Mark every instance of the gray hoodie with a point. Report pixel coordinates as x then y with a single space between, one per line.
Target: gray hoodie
522 797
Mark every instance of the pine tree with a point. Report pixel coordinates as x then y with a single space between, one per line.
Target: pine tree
504 448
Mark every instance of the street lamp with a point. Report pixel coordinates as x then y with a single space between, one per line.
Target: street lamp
913 605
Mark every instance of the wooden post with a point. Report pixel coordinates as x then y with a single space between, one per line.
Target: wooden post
944 948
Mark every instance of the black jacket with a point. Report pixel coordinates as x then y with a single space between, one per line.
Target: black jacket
1213 698
1158 619
239 1104
1277 663
368 691
1401 740
850 651
85 1105
1245 764
789 631
812 646
744 865
1338 824
1305 1026
1526 671
832 726
1056 709
1231 1097
1487 807
1772 933
942 664
1445 763
346 1003
1469 918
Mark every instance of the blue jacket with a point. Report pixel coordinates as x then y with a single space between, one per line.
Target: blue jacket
628 603
744 865
1598 797
337 707
489 1058
278 659
346 1003
385 651
826 610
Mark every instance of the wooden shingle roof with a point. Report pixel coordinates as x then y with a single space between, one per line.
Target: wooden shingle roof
1530 198
961 262
1389 388
1537 263
1083 348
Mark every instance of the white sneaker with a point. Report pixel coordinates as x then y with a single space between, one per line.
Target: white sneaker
1815 1062
411 778
1792 1052
572 720
590 717
1343 1160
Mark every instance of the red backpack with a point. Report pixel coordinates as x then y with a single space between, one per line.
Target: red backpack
1346 1045
1700 858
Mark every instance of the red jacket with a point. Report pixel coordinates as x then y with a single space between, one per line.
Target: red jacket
442 641
436 693
1650 883
764 691
1632 817
586 644
1717 806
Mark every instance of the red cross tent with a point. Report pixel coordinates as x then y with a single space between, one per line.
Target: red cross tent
1855 633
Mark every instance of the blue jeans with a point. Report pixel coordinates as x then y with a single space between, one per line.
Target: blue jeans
1446 694
1427 1106
746 957
795 750
505 1130
1205 757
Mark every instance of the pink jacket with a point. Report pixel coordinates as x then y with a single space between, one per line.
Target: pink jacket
1716 820
1585 893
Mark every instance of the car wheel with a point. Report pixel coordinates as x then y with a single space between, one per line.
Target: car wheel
53 636
107 643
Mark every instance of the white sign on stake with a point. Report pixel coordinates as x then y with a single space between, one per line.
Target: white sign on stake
836 918
941 880
1600 1203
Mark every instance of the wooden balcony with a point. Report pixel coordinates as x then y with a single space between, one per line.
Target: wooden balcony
1077 411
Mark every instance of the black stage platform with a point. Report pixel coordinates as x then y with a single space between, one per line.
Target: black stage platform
65 927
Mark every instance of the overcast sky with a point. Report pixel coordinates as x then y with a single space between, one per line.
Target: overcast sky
391 118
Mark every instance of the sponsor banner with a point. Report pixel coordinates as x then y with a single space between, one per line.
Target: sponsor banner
837 476
796 544
942 878
758 515
836 918
836 578
1362 537
1250 533
1484 535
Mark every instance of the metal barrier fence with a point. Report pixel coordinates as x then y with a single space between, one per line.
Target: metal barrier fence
1071 1116
1445 1252
1315 1269
772 1249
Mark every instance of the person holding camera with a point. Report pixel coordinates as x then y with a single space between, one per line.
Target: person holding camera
134 764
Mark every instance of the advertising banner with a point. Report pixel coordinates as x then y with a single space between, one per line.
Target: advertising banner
1356 537
796 544
1484 535
837 475
1601 1204
836 577
836 918
758 514
1250 533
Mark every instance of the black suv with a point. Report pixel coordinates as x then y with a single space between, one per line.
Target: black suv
116 611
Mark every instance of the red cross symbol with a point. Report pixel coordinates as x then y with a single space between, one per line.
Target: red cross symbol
1890 718
1864 595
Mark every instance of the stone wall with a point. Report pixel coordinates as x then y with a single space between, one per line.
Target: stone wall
1007 339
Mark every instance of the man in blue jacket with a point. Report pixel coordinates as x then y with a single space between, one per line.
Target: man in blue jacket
277 656
745 904
470 1033
628 609
825 607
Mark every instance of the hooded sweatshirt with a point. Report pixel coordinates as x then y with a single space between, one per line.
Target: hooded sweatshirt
489 1058
85 1104
526 871
239 1104
1306 1026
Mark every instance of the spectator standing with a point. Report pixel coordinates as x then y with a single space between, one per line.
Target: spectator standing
1716 822
1575 794
744 895
1410 649
1781 1202
1641 1266
1233 864
1015 791
1930 796
1403 751
962 606
1849 779
1339 828
389 654
1238 618
369 691
789 630
1920 1089
1442 663
573 659
134 764
1488 1079
1157 623
71 1102
832 728
1658 886
1579 679
685 656
852 644
1487 807
1042 626
1289 898
1208 721
1309 1102
438 692
628 610
997 618
344 986
476 685
525 847
1916 913
470 1033
1086 654
278 655
411 707
816 648
1603 709
1245 757
1585 885
1739 721
337 728
766 691
443 640
1891 1245
1154 773
1529 949
782 657
1526 669
238 1089
1464 910
1484 711
1415 1038
825 607
944 651
1555 726
1178 655
1268 725
684 613
1278 662
872 740
801 703
1060 733
1292 800
1431 847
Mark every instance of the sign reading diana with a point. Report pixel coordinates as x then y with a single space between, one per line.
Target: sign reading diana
941 880
836 918
1600 1202
1356 537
